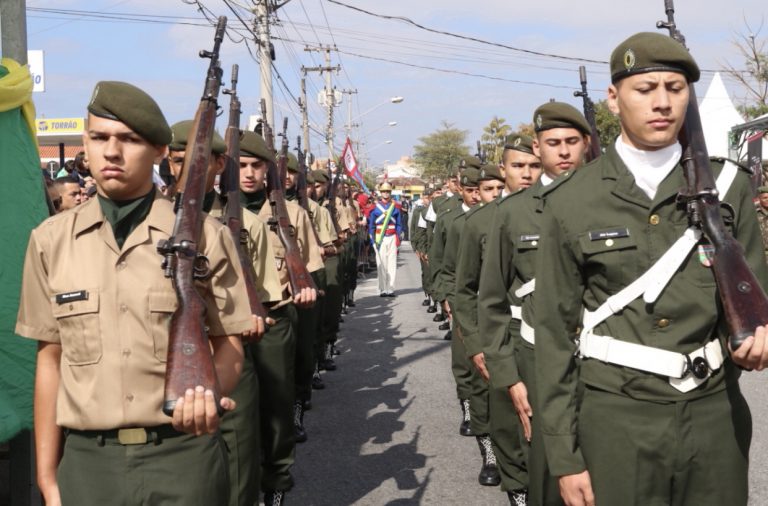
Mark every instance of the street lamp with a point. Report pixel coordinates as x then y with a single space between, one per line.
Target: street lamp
392 100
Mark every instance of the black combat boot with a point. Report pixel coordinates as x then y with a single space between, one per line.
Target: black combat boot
334 350
426 302
274 498
432 308
518 497
307 404
444 326
298 422
489 473
448 336
351 299
317 380
439 317
464 428
327 363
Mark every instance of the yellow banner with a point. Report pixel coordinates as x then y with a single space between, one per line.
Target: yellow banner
57 126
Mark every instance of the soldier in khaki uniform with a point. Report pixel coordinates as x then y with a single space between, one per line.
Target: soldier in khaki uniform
103 331
239 431
521 169
651 413
762 215
562 137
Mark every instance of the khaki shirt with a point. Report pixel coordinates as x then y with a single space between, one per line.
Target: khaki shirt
113 328
312 259
762 219
265 274
321 220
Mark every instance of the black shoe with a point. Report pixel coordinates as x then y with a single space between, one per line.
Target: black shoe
327 363
518 497
425 302
489 473
440 317
307 404
391 295
341 320
448 336
274 498
382 294
298 422
444 326
351 303
343 311
317 381
430 309
464 427
334 350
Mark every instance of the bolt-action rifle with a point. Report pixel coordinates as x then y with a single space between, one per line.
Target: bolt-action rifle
280 222
589 114
743 298
190 363
230 186
330 197
301 191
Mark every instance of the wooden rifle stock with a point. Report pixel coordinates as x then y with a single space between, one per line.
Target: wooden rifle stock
589 113
233 216
190 363
301 192
330 196
743 298
298 275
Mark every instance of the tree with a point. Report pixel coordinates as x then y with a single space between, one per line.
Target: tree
369 178
608 124
494 137
440 152
526 129
754 78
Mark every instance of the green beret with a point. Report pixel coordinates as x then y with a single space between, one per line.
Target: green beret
762 189
490 171
310 177
559 115
320 176
293 163
471 161
652 52
180 133
251 144
131 106
470 177
519 142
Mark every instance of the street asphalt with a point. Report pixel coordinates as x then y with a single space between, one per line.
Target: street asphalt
385 429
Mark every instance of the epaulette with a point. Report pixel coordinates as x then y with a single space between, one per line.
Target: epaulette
557 183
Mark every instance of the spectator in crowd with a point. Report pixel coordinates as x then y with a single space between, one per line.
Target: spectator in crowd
69 191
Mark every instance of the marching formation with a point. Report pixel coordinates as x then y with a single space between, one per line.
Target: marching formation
600 303
590 302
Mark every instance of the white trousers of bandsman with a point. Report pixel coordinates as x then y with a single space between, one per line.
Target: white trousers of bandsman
386 263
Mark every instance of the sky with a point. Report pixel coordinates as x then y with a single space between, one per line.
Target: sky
154 45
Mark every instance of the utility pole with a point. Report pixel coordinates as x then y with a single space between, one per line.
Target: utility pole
304 110
349 126
266 53
13 25
330 95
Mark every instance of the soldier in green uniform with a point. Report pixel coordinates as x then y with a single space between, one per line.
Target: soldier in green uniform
661 419
418 238
275 354
101 434
762 215
562 138
521 169
486 186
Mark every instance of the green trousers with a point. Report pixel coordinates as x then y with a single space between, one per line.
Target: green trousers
240 431
543 488
333 298
306 337
274 358
322 302
183 469
461 367
508 441
677 453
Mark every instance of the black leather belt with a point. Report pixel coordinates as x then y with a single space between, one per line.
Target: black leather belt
129 435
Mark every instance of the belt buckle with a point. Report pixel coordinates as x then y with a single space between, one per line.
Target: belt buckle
132 436
698 366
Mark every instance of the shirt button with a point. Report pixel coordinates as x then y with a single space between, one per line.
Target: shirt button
126 352
609 242
121 266
654 219
663 323
129 397
123 308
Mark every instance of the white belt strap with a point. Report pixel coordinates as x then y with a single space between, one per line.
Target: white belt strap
700 363
517 312
527 332
527 289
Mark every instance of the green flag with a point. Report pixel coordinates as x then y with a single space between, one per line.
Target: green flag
23 205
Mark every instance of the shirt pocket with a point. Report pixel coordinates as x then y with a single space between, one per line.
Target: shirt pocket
612 263
161 307
79 329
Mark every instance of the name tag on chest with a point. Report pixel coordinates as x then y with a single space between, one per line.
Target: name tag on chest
609 233
64 298
529 238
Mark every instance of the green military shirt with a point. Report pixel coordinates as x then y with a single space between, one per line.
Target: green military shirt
439 205
437 249
450 257
496 294
416 233
578 267
762 219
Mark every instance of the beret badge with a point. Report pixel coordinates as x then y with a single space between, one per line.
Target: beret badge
629 59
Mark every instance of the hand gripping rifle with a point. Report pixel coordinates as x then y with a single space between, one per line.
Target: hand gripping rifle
330 196
189 354
280 222
744 301
301 191
233 216
589 114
